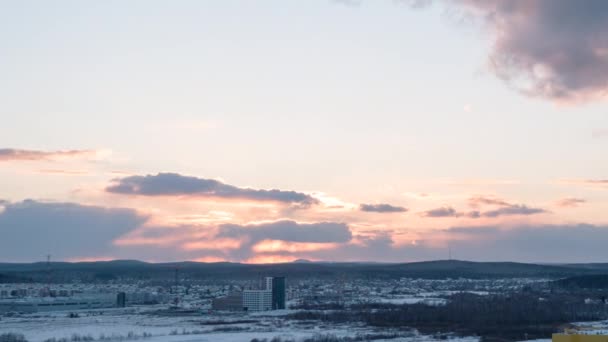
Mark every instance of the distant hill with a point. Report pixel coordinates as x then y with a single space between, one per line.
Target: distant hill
441 269
301 261
457 268
590 266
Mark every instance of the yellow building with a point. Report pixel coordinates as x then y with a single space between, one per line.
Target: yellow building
579 338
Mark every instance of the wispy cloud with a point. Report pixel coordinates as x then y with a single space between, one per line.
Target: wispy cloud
63 172
173 184
475 182
477 201
595 183
570 202
8 154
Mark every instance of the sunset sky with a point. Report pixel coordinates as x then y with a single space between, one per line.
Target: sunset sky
270 131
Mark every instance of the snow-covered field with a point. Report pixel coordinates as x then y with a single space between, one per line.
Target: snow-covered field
132 324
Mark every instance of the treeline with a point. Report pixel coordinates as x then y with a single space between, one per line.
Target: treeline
494 318
595 281
120 270
7 278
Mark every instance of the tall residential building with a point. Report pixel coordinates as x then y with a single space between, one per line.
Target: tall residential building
278 293
121 300
270 297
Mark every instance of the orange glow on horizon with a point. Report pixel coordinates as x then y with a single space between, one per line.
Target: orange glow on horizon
267 246
209 259
217 244
270 259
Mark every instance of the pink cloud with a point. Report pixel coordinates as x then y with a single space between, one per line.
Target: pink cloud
570 202
10 154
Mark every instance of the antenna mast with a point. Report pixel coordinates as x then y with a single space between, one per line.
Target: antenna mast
48 274
450 251
176 300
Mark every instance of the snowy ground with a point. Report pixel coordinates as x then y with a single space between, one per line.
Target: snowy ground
412 300
132 324
429 298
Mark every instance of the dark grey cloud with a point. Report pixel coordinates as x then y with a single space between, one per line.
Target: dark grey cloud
520 243
173 184
441 212
555 49
289 231
504 209
374 247
377 247
190 242
516 209
7 154
473 214
531 243
382 208
31 229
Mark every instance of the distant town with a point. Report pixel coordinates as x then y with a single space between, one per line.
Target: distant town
126 300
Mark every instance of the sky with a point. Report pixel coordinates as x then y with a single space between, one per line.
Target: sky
327 130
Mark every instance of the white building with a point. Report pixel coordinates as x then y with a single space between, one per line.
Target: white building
257 300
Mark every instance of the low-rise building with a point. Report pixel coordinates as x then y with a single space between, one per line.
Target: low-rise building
257 300
30 305
232 302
